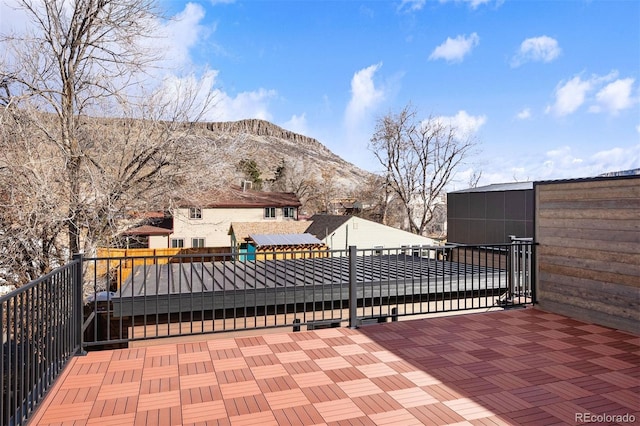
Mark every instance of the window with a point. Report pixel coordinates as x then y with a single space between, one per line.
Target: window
289 212
195 213
269 212
177 243
197 242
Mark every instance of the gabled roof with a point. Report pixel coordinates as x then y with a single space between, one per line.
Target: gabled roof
325 224
236 197
147 230
242 230
285 240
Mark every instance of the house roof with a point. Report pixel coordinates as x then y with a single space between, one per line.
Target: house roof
148 230
285 240
242 230
325 224
235 197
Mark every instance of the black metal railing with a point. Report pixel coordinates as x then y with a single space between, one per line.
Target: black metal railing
108 302
41 330
139 298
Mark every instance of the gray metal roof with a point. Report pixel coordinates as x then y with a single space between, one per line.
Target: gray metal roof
284 239
512 186
323 225
188 287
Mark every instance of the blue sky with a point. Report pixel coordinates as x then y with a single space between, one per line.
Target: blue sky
550 89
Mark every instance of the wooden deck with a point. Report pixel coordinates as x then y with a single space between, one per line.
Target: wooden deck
521 367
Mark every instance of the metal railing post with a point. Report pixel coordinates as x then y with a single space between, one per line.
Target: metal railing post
78 311
513 259
353 288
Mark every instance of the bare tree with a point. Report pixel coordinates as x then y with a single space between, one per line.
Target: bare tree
77 55
68 175
419 160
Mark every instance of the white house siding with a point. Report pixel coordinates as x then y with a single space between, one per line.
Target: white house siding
215 223
366 234
158 241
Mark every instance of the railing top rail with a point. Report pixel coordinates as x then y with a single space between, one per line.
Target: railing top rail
37 281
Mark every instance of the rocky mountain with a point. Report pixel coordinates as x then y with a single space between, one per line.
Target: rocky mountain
269 145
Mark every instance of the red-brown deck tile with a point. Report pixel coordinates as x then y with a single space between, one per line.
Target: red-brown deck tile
198 380
435 414
301 367
112 407
503 402
412 397
316 378
359 387
293 356
195 368
286 399
299 415
119 390
83 381
161 384
197 395
420 378
276 384
210 410
234 376
333 363
268 371
257 350
117 420
341 409
625 397
618 379
239 389
394 382
248 404
376 403
376 370
160 400
263 418
511 367
230 364
324 393
468 408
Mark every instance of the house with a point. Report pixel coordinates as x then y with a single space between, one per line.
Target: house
340 232
490 214
205 222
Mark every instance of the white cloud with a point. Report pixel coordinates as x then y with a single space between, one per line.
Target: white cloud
176 37
615 96
364 95
463 122
411 5
570 96
454 50
474 4
298 124
524 114
563 163
612 95
537 49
